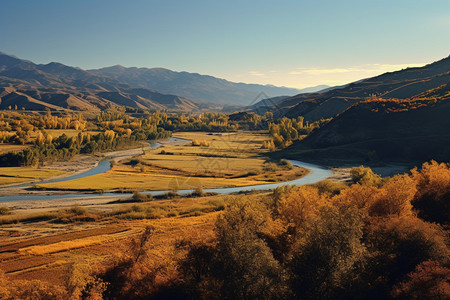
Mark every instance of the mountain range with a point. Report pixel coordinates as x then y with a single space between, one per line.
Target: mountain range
59 87
202 88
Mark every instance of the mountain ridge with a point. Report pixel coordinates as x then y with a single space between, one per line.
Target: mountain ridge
204 88
402 84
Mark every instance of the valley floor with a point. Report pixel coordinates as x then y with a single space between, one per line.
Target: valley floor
195 160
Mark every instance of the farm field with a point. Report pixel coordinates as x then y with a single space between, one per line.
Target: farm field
86 238
12 175
224 160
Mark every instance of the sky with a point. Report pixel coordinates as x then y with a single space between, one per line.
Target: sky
297 44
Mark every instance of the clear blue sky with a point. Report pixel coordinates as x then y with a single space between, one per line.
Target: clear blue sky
293 43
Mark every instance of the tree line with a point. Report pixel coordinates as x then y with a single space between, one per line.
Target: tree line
115 128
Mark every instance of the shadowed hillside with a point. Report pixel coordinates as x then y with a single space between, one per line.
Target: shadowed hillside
388 130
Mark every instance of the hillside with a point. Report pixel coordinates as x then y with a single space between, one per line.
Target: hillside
387 130
403 84
56 86
192 85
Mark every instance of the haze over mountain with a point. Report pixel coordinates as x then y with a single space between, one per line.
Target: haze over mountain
192 85
59 87
403 84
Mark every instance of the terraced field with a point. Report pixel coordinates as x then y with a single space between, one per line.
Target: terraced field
47 251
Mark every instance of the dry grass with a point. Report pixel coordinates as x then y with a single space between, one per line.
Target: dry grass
11 175
68 215
38 259
175 207
75 243
130 181
27 218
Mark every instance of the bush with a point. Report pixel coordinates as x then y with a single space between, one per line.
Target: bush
400 244
135 161
198 192
4 210
433 192
286 163
330 186
75 214
140 197
201 143
365 176
140 212
430 280
270 167
218 204
171 194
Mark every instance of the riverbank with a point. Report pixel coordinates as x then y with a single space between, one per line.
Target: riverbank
78 165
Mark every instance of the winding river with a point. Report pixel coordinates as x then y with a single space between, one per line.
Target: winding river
316 174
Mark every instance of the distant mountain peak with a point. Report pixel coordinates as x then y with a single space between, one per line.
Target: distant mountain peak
120 67
196 86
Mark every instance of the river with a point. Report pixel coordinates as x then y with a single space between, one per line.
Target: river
316 174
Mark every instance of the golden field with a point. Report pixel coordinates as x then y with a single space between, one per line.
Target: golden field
228 160
12 175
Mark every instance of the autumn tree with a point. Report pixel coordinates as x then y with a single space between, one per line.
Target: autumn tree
248 269
433 192
430 280
329 260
